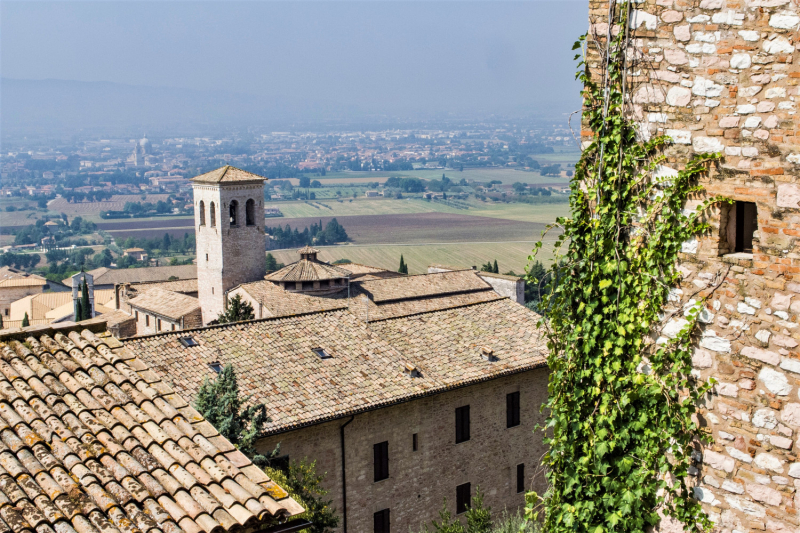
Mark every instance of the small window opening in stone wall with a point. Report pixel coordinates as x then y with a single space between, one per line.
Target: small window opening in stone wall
213 214
203 213
250 212
738 227
234 212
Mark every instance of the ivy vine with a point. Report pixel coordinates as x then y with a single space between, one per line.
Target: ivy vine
621 424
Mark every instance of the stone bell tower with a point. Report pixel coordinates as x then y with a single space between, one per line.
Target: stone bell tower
229 229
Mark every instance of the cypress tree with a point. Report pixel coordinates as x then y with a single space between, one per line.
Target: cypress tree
496 270
403 266
86 309
25 321
1 321
78 311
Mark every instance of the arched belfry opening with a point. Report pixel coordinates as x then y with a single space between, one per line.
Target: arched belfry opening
250 212
234 212
203 213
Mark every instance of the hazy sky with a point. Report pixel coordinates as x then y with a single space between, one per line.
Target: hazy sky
491 56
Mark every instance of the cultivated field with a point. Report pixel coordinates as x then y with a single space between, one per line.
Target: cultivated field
93 209
509 255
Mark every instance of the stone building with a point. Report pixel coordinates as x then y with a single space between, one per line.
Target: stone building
16 284
413 390
159 310
722 76
229 220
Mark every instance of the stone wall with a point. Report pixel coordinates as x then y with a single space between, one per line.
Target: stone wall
419 481
721 76
227 255
10 295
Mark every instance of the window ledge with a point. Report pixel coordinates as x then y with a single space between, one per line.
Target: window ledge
739 258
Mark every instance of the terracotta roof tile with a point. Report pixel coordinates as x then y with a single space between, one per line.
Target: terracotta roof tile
169 304
308 270
227 174
278 302
275 361
66 399
112 276
423 285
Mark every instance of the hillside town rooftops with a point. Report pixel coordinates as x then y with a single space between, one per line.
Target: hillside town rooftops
276 359
228 174
169 304
279 302
95 442
112 276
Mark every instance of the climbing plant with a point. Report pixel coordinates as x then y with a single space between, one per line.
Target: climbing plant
620 424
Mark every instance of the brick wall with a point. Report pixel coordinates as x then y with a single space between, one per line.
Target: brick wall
227 255
419 481
722 77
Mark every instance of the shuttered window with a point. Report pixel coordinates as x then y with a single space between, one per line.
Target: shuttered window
462 424
462 498
512 409
381 458
381 521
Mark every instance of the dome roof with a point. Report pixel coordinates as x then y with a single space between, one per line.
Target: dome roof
144 141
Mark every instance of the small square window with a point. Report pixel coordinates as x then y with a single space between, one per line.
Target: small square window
216 366
463 494
414 444
738 224
512 409
321 353
188 342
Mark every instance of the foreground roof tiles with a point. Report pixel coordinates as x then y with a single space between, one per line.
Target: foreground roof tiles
276 362
92 442
228 174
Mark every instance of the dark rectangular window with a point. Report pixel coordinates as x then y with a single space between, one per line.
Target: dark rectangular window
414 442
462 498
462 424
512 409
746 224
381 456
381 521
521 478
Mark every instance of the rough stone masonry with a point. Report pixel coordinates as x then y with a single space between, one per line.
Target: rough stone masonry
722 76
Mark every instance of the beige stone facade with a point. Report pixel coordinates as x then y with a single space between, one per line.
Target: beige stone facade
419 481
227 254
721 76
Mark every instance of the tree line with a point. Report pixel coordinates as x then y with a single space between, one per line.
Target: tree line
285 237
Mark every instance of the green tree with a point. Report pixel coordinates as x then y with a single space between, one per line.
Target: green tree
519 188
86 308
403 266
1 321
479 518
166 242
496 269
25 321
236 310
219 402
271 264
447 523
78 307
304 484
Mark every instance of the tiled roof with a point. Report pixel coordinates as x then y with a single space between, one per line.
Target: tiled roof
112 276
11 277
41 306
499 276
91 441
180 285
424 285
227 174
307 270
278 302
370 311
275 362
307 250
169 304
356 268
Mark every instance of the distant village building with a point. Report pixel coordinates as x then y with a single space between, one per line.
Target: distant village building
372 194
16 284
138 254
